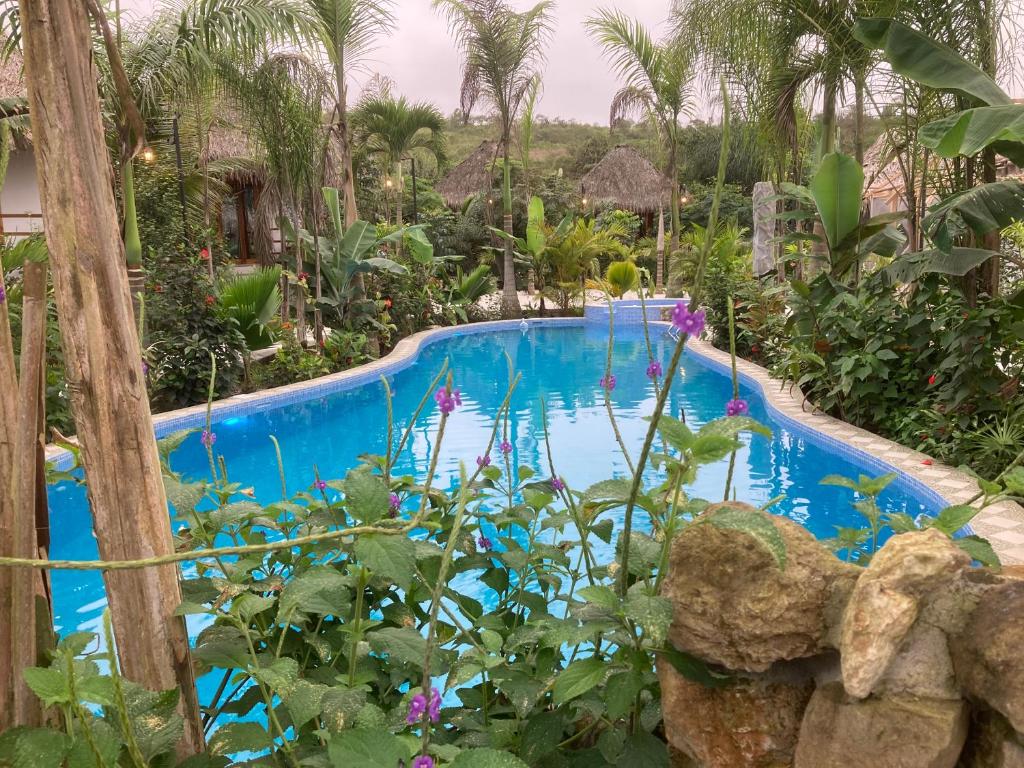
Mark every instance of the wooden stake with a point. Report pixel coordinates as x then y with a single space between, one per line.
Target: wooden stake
24 650
102 352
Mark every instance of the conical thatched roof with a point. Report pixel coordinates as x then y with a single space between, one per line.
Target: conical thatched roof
626 179
472 176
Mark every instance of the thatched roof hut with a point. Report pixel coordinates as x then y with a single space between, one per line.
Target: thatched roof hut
626 179
473 175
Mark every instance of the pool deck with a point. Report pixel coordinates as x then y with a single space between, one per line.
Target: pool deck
1002 524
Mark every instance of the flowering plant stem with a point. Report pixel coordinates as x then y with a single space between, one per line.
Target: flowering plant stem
735 389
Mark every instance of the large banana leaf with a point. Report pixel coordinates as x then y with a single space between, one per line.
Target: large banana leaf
916 56
982 209
969 132
535 237
958 262
836 189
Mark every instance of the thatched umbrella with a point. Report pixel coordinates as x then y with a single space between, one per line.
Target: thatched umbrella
627 180
473 175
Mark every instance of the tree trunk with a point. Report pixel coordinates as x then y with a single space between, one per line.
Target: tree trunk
858 119
673 175
659 254
24 614
102 352
510 307
828 115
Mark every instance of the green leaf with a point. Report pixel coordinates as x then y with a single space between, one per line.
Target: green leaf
340 707
390 557
601 595
1013 481
643 750
952 519
675 433
232 738
106 740
401 643
753 523
710 448
967 133
980 549
48 684
541 736
693 668
367 498
535 238
33 748
652 612
986 208
909 267
304 701
367 749
916 56
486 758
730 426
578 678
608 490
621 691
837 188
320 590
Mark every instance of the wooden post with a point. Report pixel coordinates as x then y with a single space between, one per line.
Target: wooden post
102 352
8 430
23 630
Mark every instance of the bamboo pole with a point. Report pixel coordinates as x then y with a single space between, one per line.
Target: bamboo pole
102 352
23 631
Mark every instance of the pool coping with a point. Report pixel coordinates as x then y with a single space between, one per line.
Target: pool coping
1002 524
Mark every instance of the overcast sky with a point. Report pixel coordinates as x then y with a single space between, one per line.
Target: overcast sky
422 59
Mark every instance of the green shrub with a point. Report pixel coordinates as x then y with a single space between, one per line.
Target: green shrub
252 301
291 363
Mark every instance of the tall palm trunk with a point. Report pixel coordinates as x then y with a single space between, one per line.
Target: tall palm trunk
102 353
673 175
510 307
399 193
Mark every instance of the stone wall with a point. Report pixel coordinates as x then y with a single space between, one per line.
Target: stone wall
916 661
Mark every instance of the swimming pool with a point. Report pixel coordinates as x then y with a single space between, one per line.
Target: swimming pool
560 363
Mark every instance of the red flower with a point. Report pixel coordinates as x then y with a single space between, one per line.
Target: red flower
204 254
932 380
755 349
303 277
927 462
387 302
210 300
158 288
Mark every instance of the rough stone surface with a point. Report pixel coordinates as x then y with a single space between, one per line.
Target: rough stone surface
841 732
732 604
991 743
887 599
750 724
988 654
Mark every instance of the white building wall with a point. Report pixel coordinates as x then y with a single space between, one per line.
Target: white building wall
20 211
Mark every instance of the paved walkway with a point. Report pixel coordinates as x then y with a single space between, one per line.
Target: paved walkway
1002 524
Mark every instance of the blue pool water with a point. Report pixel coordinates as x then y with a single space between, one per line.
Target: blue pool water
562 366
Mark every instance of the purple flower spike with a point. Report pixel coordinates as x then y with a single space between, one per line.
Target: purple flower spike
145 367
446 401
394 504
417 706
736 407
485 544
3 294
505 447
435 705
423 761
320 485
654 370
483 461
690 323
208 438
557 484
608 382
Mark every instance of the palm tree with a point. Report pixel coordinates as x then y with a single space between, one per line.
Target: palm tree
347 29
657 78
503 50
393 129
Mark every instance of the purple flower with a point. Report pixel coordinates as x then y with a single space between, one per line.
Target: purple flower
435 705
393 505
3 294
145 368
446 401
690 323
736 407
417 706
208 438
654 370
483 461
608 382
505 447
485 544
557 484
320 485
423 761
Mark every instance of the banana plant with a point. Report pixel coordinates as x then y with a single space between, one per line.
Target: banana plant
993 122
346 255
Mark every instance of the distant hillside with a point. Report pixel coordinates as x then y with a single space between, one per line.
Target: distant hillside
573 147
